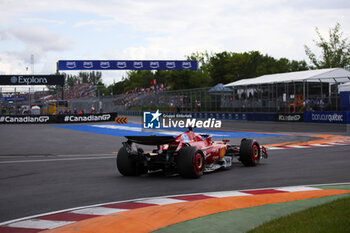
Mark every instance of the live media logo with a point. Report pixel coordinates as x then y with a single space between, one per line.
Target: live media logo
151 120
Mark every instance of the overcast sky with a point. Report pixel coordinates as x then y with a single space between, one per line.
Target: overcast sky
157 29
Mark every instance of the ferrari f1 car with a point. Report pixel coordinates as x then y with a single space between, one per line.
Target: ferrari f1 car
189 154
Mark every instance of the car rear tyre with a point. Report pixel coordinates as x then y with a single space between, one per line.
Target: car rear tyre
190 162
127 165
249 152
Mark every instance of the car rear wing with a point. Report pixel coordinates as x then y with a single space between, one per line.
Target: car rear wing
151 140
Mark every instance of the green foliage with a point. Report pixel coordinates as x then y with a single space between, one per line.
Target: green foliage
330 217
83 77
335 52
229 67
139 78
216 68
117 88
102 90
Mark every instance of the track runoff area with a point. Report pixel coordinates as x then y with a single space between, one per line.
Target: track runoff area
254 193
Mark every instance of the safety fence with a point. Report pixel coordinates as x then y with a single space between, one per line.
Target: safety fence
269 98
339 117
105 104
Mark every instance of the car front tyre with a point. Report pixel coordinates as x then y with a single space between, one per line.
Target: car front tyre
249 152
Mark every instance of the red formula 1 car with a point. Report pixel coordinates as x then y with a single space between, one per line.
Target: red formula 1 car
189 154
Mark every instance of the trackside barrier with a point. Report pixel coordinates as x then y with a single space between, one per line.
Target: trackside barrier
41 119
340 117
216 115
289 117
220 116
234 116
345 101
261 117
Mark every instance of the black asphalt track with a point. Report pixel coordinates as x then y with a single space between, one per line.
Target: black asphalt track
43 168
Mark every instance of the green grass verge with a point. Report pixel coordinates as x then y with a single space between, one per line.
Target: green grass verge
330 217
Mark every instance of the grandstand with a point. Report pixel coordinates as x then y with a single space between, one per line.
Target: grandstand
15 100
292 92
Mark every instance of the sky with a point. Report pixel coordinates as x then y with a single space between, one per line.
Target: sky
52 30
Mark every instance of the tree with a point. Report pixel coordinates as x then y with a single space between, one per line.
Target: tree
228 67
224 67
94 77
117 88
335 52
203 59
71 80
138 78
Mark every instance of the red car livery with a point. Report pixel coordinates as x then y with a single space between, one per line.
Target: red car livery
189 154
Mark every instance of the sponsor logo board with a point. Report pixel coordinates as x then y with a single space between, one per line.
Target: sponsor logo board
127 65
289 117
326 117
31 80
87 118
57 118
157 120
24 119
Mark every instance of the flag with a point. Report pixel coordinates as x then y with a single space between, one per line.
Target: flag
153 82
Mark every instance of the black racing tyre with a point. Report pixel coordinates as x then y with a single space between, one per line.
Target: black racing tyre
190 162
249 151
128 166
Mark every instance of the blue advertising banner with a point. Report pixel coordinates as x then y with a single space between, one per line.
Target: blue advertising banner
326 117
345 100
127 65
261 116
4 99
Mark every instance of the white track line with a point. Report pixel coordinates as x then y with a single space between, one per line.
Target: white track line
160 201
306 146
226 194
39 224
98 211
297 188
55 160
275 148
